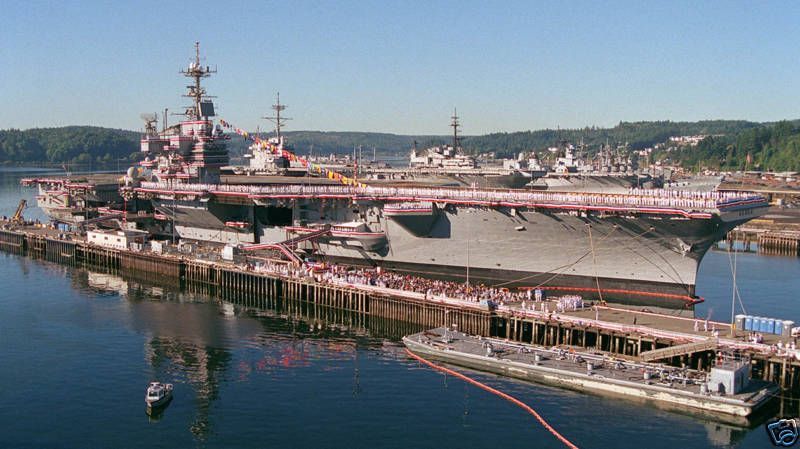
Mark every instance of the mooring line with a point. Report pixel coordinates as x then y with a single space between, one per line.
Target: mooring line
505 396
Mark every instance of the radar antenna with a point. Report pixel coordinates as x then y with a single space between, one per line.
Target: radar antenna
455 125
277 119
196 92
150 120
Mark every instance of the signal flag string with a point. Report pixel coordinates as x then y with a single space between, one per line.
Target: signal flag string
276 150
505 396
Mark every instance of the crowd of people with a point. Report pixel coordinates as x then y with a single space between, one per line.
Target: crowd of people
633 198
526 299
278 267
431 288
569 303
755 337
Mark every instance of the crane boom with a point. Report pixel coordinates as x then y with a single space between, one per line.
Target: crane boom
17 218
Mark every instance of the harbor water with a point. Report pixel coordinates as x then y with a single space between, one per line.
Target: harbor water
79 347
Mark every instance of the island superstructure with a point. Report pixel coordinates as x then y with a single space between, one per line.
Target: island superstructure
193 150
642 246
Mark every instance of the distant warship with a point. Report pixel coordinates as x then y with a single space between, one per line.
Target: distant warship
450 165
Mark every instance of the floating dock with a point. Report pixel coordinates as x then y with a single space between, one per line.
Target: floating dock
725 391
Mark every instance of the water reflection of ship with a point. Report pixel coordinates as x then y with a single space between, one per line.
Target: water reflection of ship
187 335
321 319
188 342
196 345
190 336
203 366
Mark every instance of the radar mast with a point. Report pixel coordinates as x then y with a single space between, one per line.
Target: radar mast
150 121
201 108
277 119
455 125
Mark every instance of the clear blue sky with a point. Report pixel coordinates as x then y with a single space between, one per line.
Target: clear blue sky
402 66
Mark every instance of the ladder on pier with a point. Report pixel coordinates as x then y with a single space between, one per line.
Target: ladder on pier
673 351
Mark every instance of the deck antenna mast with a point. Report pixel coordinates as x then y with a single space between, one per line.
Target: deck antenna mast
197 92
455 125
277 119
150 123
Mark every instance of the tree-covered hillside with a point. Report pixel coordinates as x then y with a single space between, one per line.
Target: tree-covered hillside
71 144
772 146
637 135
343 142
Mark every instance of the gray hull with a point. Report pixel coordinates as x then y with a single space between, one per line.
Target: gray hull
625 256
644 259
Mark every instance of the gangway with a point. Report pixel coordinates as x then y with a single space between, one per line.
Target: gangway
673 351
278 247
307 236
286 245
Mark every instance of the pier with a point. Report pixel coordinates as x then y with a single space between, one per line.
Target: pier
624 333
766 241
775 233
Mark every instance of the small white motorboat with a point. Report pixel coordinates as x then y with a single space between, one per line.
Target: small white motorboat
158 394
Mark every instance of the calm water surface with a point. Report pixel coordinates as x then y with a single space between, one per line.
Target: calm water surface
78 348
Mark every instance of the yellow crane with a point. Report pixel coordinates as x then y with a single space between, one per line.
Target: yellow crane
17 218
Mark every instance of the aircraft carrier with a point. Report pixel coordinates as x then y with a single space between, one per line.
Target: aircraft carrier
642 246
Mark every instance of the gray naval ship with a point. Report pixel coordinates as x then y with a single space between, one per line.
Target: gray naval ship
449 165
643 246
